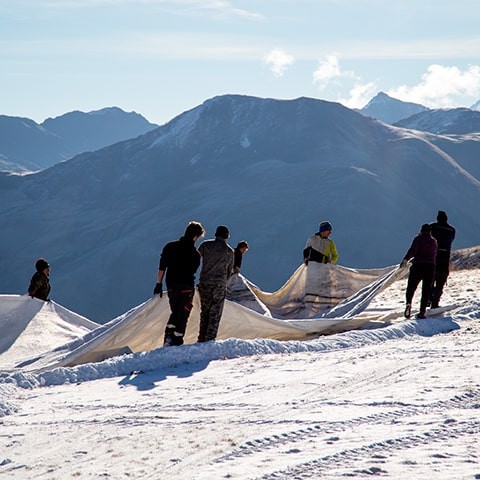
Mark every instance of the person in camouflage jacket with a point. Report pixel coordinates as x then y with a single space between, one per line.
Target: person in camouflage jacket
217 268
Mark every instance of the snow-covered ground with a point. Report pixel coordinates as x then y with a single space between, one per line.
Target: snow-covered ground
398 402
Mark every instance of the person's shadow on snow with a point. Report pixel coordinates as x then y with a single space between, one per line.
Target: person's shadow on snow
149 380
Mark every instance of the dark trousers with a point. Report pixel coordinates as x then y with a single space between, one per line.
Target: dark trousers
212 299
420 272
181 302
439 282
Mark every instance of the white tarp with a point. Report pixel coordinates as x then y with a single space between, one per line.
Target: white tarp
315 289
310 291
29 326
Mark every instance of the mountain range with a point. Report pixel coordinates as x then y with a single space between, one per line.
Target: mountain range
26 145
269 169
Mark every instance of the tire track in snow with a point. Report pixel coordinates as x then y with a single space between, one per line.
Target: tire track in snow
351 457
467 400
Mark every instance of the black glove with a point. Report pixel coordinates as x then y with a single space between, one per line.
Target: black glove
158 290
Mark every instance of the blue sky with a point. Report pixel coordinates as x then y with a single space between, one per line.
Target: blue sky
160 58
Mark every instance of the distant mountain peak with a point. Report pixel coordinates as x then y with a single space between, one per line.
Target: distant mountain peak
390 110
476 106
105 110
381 96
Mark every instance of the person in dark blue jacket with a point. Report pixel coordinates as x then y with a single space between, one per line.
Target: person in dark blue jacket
423 251
444 234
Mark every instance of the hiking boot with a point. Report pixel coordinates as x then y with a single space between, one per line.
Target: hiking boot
177 339
421 315
408 311
168 337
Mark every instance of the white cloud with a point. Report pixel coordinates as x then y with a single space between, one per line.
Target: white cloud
442 87
217 8
329 70
278 61
360 95
326 71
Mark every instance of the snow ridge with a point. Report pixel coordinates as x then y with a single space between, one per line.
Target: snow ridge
226 349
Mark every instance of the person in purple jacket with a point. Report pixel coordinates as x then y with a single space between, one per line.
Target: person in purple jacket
423 251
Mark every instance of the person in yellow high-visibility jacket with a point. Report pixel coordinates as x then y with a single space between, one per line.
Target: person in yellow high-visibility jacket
320 248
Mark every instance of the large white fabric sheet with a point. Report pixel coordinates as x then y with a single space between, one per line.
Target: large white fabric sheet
317 299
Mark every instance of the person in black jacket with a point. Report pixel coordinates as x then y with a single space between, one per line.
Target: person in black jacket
40 284
444 233
180 260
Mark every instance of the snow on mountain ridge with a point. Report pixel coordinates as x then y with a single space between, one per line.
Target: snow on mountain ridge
446 121
180 128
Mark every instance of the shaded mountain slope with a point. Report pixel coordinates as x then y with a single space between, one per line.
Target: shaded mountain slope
269 169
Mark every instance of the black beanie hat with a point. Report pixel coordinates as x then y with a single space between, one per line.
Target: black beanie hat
426 228
442 216
41 264
222 232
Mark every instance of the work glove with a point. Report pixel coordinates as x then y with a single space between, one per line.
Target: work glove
158 290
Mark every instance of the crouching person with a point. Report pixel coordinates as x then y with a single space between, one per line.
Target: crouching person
179 262
40 283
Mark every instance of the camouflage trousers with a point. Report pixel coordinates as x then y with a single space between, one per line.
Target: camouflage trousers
212 299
